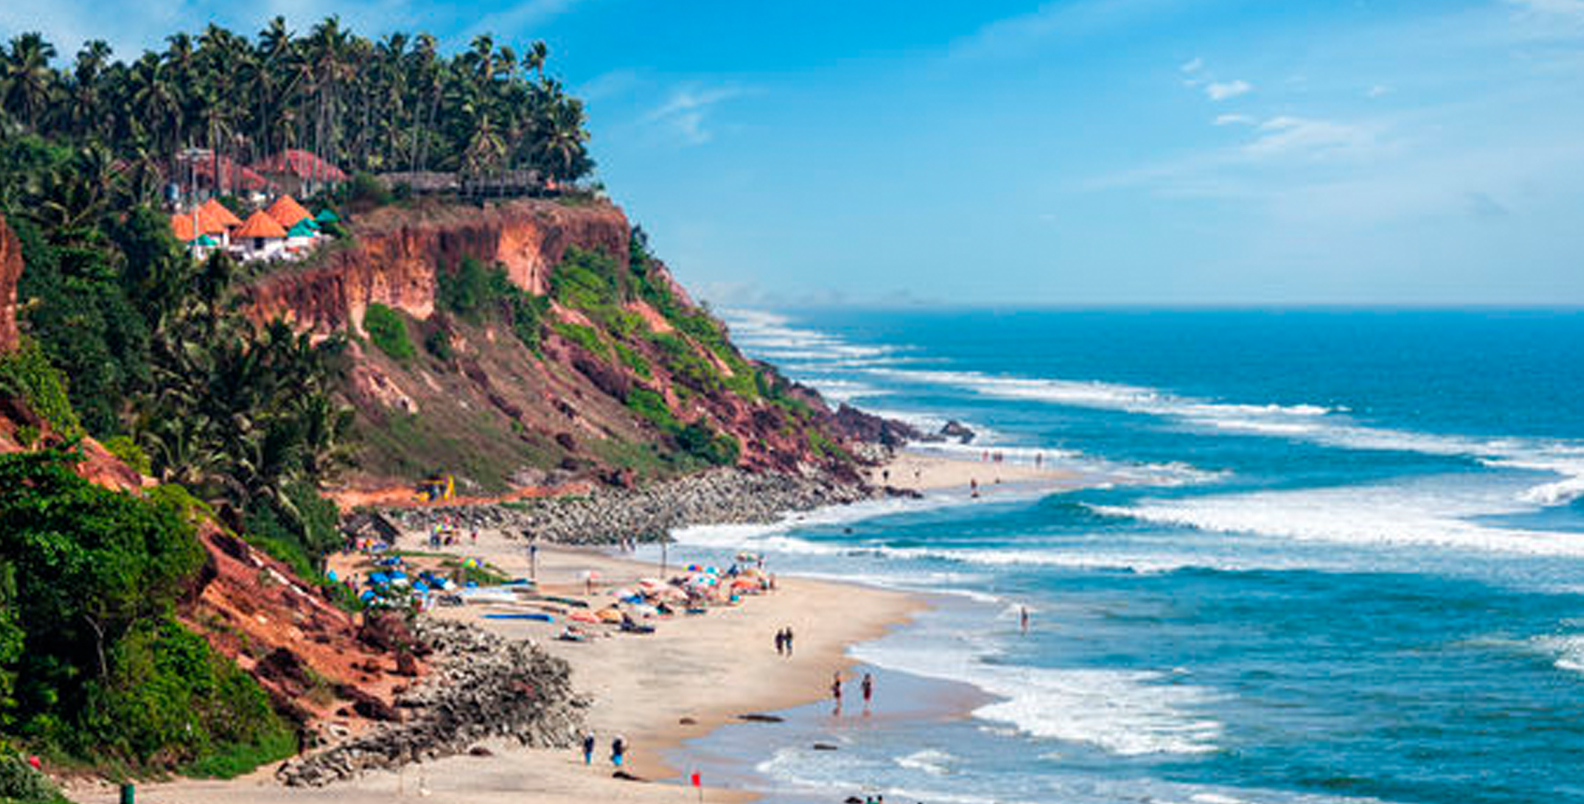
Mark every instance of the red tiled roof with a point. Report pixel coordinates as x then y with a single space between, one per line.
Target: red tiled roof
233 176
260 224
182 227
301 164
287 212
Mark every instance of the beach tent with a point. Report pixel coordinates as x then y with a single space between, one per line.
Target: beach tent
327 215
610 615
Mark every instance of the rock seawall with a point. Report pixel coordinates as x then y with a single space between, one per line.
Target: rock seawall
723 496
485 687
394 254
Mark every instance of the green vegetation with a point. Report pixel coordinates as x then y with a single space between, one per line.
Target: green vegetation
387 330
27 374
585 337
93 664
20 783
395 104
472 292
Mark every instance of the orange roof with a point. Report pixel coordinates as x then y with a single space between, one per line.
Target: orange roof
189 225
219 212
260 224
287 212
182 226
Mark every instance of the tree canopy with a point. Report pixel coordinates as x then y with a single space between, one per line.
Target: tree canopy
395 104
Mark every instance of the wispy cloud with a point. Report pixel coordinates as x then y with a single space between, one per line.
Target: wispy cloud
1193 65
1287 135
686 113
1226 90
1234 120
1378 91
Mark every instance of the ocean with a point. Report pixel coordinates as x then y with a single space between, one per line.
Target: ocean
1342 559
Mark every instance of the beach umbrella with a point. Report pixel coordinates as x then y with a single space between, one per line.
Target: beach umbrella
609 615
583 617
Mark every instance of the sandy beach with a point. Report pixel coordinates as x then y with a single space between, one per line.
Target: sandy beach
691 676
924 472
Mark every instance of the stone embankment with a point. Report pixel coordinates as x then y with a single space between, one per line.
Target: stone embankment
719 497
485 687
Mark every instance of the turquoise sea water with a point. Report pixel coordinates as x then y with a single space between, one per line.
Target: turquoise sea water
1348 565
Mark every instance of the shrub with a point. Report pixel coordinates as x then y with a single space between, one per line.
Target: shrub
699 441
130 453
467 289
583 336
27 374
21 783
388 331
438 343
651 407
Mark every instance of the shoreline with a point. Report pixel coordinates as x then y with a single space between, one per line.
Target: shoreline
693 677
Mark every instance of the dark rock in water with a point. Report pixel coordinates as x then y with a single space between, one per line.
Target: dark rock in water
754 717
687 721
958 430
823 747
852 800
480 751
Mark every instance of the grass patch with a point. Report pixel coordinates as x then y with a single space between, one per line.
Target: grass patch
388 332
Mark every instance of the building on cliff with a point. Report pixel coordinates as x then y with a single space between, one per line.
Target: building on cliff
261 237
300 172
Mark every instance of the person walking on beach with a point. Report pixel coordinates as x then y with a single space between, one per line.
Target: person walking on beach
588 748
836 691
618 751
868 691
780 642
789 642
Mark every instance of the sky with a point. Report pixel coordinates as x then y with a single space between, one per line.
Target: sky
1084 152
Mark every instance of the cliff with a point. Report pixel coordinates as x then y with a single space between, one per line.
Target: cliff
307 654
10 272
395 252
618 378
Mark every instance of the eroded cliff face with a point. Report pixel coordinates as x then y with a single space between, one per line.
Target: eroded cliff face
395 253
10 273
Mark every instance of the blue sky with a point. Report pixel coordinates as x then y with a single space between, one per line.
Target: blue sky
1070 153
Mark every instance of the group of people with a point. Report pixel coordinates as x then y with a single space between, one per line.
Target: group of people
618 749
865 688
783 642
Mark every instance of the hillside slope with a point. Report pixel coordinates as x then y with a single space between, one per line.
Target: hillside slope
543 347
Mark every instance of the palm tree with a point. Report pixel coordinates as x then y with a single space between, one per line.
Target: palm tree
28 79
538 53
84 113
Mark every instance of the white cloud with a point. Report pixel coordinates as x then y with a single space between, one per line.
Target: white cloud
1378 91
1193 66
687 111
1286 135
1226 90
1234 120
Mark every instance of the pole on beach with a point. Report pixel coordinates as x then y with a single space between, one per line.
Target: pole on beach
662 557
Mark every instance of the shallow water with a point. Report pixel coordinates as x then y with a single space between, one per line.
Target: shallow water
1352 568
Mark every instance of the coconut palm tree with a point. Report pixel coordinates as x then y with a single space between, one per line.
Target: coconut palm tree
27 79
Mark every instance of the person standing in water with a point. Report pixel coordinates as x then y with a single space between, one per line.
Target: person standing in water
1023 618
836 690
868 691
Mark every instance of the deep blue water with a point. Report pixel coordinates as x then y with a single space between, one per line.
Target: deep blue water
1348 563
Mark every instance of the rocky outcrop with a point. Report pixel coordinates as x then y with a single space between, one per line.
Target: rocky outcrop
394 253
485 687
723 496
10 274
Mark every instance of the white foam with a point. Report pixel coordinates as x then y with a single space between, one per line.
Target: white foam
1319 424
1430 512
930 761
1127 713
1568 649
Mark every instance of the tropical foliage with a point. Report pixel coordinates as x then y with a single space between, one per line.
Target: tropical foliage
395 104
92 661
